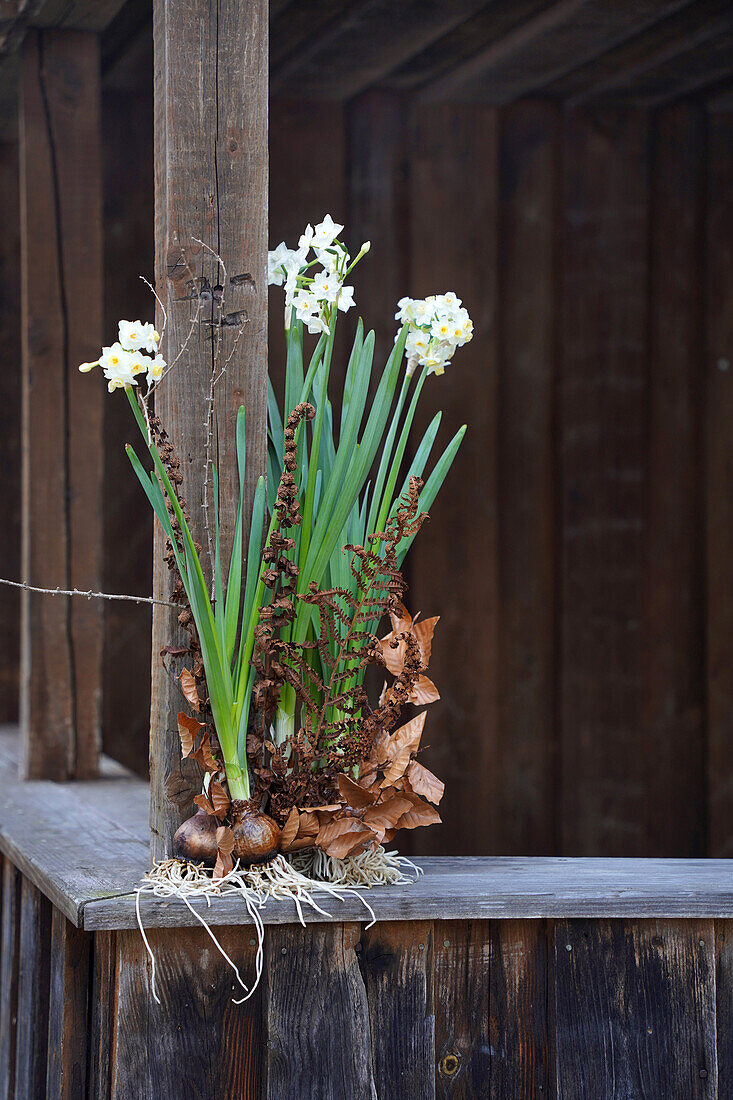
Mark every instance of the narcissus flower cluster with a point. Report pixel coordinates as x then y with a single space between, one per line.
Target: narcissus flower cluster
314 295
127 359
437 325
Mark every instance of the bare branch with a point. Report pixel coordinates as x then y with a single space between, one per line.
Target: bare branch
89 594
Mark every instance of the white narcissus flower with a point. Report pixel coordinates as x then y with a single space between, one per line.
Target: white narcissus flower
275 261
442 327
306 304
346 298
156 367
138 363
326 232
437 325
117 366
325 286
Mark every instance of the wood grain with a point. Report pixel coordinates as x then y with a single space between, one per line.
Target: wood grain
718 488
397 967
317 1021
556 40
9 951
61 242
461 970
449 572
210 184
10 447
196 1043
635 1010
674 584
724 1005
101 1015
602 425
68 1022
128 520
525 782
34 943
520 1029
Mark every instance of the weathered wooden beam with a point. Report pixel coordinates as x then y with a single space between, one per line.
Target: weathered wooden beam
449 572
210 184
322 51
10 434
718 481
675 604
617 67
61 280
66 1072
602 445
559 38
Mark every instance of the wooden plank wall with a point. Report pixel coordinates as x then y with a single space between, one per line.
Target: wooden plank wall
580 557
444 1009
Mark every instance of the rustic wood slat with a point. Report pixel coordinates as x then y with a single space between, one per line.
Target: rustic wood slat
724 1005
210 183
450 572
128 253
9 948
602 445
397 967
196 1043
66 1072
102 1008
480 889
718 415
519 1026
317 1022
67 849
559 38
527 321
61 244
33 989
10 445
376 136
675 674
635 1010
461 968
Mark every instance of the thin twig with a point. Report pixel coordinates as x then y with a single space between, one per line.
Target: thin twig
89 594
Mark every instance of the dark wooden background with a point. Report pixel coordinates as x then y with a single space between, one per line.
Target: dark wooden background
580 555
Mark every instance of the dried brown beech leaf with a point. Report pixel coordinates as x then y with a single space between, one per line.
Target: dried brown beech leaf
225 846
290 830
423 630
402 743
354 794
206 756
342 837
188 687
183 784
424 692
188 729
203 803
219 800
385 815
424 783
421 813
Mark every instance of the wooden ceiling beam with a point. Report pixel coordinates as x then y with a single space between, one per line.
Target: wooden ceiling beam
702 68
359 43
696 23
554 42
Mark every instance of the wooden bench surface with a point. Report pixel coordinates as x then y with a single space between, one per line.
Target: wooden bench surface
85 846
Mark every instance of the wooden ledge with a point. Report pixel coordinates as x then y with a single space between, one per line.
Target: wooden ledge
85 846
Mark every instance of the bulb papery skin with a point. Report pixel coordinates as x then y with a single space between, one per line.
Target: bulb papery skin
195 839
256 836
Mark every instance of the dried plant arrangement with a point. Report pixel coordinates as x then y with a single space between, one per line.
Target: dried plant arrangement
306 778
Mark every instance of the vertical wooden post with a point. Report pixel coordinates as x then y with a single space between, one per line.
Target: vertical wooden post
10 433
211 89
61 276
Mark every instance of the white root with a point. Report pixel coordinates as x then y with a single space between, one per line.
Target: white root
296 877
